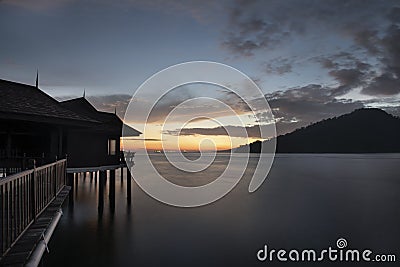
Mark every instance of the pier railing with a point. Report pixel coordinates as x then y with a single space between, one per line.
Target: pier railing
24 196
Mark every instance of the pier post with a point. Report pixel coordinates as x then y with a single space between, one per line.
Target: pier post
33 192
122 175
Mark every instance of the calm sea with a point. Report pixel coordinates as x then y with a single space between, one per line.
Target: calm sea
307 202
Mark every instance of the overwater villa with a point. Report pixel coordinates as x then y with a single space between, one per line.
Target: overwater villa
41 140
36 126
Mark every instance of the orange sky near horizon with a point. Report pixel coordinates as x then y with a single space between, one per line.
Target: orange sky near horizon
188 143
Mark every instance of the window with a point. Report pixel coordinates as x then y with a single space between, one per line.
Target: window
112 147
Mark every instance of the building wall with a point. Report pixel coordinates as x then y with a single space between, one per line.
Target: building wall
19 138
90 149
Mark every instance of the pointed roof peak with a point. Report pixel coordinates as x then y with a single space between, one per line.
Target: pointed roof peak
37 78
84 93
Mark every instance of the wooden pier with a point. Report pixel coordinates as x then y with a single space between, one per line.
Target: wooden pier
29 201
102 174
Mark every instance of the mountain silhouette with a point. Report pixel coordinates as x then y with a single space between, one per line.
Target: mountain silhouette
367 130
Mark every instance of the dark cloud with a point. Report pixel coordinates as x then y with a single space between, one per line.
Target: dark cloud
328 63
235 101
348 79
240 46
347 76
234 131
265 24
394 14
385 84
142 139
388 82
201 107
339 60
191 102
110 103
371 26
278 66
107 103
292 109
368 39
301 106
395 111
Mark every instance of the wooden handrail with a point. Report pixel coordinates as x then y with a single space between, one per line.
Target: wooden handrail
24 196
15 176
51 164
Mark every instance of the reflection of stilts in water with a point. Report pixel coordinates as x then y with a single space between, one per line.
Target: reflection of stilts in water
129 157
70 182
100 207
111 194
122 176
100 176
76 184
128 186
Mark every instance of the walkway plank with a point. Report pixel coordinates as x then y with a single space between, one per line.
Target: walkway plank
19 254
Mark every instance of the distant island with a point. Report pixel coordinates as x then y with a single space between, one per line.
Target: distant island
367 130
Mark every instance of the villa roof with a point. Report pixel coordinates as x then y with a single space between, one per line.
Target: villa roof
26 102
110 121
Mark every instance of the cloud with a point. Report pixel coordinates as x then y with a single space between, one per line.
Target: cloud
348 79
174 100
395 111
385 84
206 100
107 103
266 24
278 66
301 106
234 131
388 81
366 35
292 109
368 39
142 139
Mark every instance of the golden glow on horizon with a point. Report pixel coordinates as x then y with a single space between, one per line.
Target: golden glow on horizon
158 136
190 143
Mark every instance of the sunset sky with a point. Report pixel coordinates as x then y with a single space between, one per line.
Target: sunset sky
311 59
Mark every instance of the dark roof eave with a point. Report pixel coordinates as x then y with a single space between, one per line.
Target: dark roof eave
128 131
47 119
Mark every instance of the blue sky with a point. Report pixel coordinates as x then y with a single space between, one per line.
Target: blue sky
312 59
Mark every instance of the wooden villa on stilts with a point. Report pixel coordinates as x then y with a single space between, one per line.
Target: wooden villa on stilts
44 143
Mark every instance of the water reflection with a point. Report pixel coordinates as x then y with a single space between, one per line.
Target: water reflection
308 201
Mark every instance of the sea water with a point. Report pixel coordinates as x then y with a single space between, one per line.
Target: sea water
307 201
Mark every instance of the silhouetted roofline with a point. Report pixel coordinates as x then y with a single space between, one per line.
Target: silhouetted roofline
82 105
26 102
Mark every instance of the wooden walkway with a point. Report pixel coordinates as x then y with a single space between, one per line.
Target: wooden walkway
22 250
